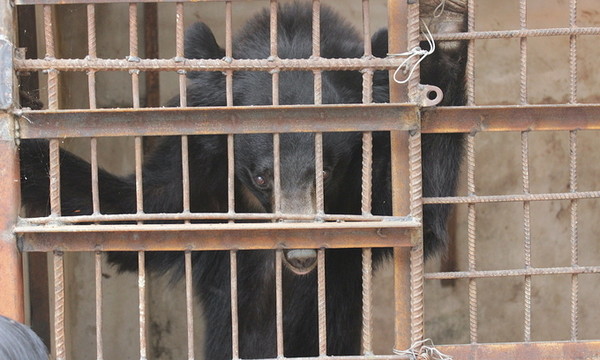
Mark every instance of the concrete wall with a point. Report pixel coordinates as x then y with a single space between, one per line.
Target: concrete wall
499 231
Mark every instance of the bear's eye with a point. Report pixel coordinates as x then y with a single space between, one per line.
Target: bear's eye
260 180
326 174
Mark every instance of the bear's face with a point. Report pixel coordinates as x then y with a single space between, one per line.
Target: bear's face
254 169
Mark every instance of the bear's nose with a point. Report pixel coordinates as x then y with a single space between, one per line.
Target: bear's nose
301 261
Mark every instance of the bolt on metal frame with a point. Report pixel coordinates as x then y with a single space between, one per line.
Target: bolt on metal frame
407 197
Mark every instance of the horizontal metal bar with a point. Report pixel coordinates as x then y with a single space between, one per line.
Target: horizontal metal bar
508 34
537 350
64 2
53 220
150 237
483 199
510 118
96 64
515 272
217 120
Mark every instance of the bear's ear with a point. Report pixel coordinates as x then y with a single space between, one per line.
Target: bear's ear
200 43
379 43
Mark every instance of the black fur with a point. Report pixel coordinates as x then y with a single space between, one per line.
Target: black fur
208 174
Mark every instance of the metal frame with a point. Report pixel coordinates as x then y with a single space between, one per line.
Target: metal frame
362 231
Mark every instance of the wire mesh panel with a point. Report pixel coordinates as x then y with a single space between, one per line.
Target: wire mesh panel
285 172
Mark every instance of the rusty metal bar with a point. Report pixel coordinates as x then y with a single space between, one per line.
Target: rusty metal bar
367 297
151 52
526 235
319 188
217 237
475 199
11 281
525 176
179 54
573 174
11 268
189 304
530 271
471 239
470 66
185 174
398 43
59 305
228 64
537 350
230 175
229 52
99 322
322 303
277 177
221 120
305 118
234 305
279 301
49 220
511 118
511 34
142 304
91 29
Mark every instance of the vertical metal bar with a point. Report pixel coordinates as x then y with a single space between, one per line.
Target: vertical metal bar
59 305
139 191
398 42
523 52
11 268
55 208
574 237
415 190
230 174
525 175
180 53
471 216
234 306
367 168
573 174
279 300
133 54
151 52
527 234
142 303
366 17
50 54
91 28
273 42
98 278
319 173
185 170
322 302
471 237
276 174
228 52
470 67
189 304
367 296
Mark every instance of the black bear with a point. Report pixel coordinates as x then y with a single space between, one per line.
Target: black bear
253 184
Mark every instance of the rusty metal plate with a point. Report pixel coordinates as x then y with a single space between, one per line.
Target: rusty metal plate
216 236
589 350
217 120
510 118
